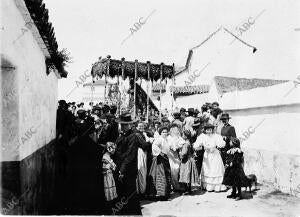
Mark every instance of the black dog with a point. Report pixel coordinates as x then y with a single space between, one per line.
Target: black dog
251 180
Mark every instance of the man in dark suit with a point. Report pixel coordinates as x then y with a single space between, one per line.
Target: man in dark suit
127 165
227 132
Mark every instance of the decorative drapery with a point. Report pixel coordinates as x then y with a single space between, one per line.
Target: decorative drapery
115 68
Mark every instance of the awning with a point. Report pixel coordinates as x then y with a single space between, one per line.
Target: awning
100 68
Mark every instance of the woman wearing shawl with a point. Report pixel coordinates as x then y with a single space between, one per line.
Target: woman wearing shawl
188 176
175 144
159 173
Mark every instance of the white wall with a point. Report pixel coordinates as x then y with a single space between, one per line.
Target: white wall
36 94
272 148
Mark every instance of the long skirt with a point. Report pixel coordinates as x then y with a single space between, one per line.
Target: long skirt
128 197
142 172
110 189
199 160
174 165
212 172
235 176
160 176
188 172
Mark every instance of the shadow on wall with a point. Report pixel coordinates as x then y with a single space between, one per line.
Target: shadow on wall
10 111
280 170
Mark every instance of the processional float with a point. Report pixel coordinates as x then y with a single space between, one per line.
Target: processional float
133 70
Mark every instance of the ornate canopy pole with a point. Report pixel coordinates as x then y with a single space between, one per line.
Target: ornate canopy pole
92 89
118 94
161 71
173 83
148 70
106 74
123 78
135 76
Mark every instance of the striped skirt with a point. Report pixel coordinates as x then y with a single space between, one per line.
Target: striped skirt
160 176
189 173
110 189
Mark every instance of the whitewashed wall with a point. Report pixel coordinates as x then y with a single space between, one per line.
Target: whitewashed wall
36 92
272 144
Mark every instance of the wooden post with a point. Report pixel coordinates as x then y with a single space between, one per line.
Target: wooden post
92 88
135 76
119 94
160 82
123 68
148 70
173 83
123 78
106 74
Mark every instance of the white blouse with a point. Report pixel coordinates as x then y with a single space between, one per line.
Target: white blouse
209 142
160 145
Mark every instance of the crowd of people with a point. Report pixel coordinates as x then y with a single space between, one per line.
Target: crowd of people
135 159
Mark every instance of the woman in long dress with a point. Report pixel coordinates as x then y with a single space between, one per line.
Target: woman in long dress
188 175
141 181
175 142
212 171
160 176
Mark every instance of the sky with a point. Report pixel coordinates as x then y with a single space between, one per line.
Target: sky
93 28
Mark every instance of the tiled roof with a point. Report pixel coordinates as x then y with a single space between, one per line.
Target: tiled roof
157 86
229 84
39 14
189 90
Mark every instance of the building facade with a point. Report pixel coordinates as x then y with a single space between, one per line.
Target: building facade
28 106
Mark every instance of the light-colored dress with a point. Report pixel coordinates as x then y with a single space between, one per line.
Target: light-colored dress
175 144
141 180
156 135
109 166
188 170
212 171
142 171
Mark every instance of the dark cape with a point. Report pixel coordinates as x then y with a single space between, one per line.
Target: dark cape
235 175
85 188
228 131
127 164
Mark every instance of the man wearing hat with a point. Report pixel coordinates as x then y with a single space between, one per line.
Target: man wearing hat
61 118
216 111
227 132
85 194
127 164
